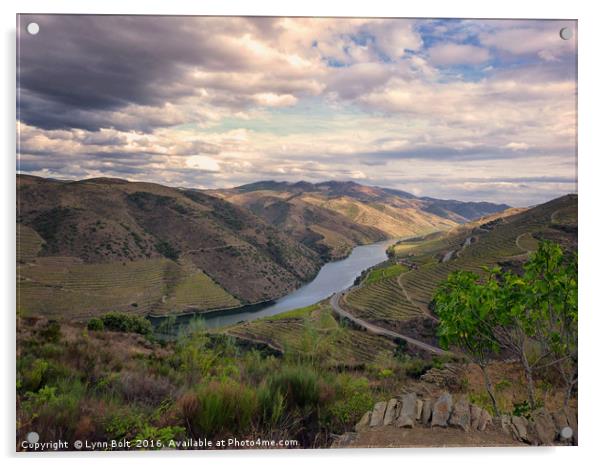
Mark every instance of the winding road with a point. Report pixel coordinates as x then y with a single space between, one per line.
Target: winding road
334 302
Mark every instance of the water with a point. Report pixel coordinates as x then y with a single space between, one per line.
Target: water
333 277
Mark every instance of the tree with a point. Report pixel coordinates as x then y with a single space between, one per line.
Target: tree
532 315
467 319
539 315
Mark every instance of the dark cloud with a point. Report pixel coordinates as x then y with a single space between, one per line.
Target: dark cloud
79 68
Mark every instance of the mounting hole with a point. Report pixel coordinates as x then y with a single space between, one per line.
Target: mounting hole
33 28
566 33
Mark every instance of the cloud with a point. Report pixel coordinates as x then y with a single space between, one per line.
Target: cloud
458 54
219 101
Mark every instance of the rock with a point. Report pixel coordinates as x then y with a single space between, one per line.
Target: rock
460 416
363 422
475 416
378 414
427 410
344 440
419 405
390 412
544 426
505 422
485 420
442 410
520 431
407 415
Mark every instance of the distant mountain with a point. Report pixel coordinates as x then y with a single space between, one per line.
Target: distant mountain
331 217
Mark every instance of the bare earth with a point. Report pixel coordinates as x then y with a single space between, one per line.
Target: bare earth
426 437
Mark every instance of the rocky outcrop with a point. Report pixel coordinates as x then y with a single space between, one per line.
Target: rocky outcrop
407 415
543 427
460 416
442 410
409 410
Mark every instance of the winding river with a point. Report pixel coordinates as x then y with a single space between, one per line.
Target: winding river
333 277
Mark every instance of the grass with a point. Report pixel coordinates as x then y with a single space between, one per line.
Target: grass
68 288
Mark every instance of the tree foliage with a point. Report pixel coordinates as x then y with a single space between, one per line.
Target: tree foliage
533 315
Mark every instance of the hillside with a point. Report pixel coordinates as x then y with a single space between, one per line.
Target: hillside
105 244
332 217
396 294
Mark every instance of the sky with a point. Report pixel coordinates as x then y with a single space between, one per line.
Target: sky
462 109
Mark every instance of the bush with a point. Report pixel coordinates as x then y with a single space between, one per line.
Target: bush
119 322
354 398
96 324
298 385
225 407
51 332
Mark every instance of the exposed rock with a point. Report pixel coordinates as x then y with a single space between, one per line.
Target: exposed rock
485 420
390 412
363 422
544 426
427 410
442 410
475 416
460 415
378 414
407 415
520 426
419 405
344 440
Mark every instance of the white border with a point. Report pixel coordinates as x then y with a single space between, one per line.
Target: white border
589 206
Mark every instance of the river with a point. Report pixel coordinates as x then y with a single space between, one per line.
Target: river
332 277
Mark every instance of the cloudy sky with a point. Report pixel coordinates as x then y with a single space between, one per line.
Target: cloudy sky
471 110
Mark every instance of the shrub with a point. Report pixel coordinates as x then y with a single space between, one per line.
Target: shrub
224 407
96 324
51 332
298 385
31 377
354 398
143 387
119 322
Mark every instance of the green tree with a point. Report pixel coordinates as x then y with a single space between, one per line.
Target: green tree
468 319
539 315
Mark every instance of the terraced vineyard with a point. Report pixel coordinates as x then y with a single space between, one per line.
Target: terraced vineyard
315 332
383 300
67 287
506 238
29 243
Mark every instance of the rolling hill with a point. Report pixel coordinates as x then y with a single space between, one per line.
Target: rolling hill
332 217
400 291
106 244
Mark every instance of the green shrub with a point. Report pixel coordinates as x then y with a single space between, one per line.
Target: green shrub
354 398
31 378
120 322
51 332
224 407
96 324
298 385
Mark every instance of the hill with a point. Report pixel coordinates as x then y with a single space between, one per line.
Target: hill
332 217
395 294
106 244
